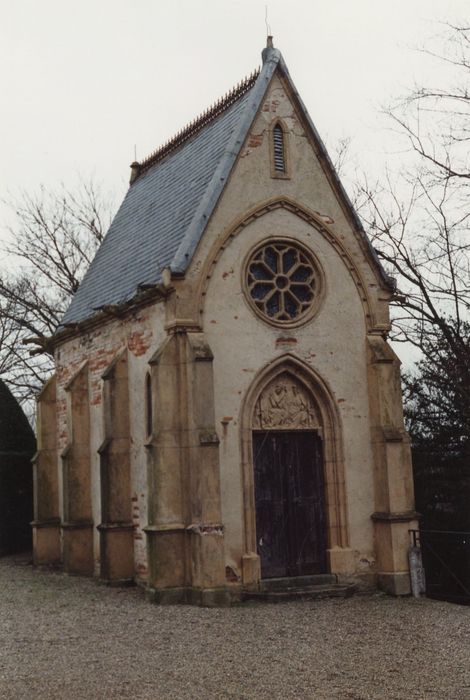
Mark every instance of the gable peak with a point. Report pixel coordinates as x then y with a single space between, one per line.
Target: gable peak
270 53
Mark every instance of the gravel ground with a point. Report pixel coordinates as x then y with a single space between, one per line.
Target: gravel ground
68 637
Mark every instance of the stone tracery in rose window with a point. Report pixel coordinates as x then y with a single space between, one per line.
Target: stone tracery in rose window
283 282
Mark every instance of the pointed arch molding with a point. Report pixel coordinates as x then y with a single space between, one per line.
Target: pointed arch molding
324 414
313 219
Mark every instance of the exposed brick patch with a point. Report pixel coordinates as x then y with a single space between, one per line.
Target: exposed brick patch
255 140
99 348
139 342
283 342
62 431
271 106
95 398
100 358
62 374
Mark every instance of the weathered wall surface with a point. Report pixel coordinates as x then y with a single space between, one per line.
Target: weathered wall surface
333 343
307 184
141 333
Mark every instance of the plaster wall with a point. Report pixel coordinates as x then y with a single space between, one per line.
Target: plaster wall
140 333
333 343
307 183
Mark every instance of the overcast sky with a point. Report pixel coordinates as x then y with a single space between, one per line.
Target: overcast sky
83 83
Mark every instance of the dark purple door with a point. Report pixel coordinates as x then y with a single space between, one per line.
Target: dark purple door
290 503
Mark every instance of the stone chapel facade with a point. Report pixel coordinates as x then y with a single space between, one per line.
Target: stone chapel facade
225 407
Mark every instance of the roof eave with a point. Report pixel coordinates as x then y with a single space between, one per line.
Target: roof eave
108 312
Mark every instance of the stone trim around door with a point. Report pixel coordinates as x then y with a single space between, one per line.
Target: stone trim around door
320 409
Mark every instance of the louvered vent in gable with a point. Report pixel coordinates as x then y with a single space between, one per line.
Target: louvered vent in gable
279 149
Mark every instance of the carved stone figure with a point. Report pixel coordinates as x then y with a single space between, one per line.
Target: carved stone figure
285 404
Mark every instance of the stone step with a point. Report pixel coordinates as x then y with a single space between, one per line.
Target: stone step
284 584
316 592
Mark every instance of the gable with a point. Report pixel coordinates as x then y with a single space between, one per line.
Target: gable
309 179
307 190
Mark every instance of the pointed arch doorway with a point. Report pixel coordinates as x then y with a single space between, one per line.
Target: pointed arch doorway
288 395
289 485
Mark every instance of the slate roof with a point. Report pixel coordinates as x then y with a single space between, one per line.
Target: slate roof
172 197
168 203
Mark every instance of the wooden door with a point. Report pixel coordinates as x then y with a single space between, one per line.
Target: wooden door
290 503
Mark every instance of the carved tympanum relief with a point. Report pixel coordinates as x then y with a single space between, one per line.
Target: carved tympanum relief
285 404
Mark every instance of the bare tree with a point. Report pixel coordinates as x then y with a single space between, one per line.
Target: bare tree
419 219
52 242
424 241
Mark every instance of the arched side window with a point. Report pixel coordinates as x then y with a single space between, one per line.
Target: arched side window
278 151
148 405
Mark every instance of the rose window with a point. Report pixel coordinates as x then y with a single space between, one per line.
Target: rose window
283 282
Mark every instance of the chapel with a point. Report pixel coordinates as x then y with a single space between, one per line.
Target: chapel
226 409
